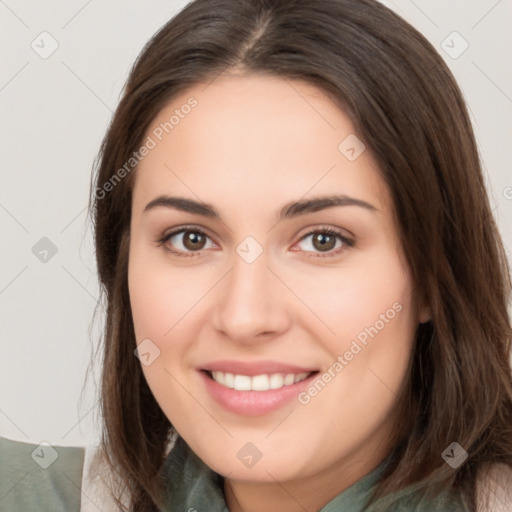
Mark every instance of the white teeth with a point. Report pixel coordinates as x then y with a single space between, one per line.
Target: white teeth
219 377
290 379
229 380
242 383
258 382
276 381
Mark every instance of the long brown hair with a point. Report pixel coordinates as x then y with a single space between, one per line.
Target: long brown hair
409 111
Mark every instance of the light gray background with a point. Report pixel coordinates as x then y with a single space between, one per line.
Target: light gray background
55 111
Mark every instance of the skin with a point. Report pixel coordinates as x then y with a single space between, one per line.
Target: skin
252 144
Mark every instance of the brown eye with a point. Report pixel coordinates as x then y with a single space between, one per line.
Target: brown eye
325 240
193 240
185 242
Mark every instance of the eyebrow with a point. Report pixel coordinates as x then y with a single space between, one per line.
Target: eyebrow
288 211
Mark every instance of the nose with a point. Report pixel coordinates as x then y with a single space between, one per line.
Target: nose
252 306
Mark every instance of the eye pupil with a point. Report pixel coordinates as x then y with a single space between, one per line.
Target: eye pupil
193 240
325 242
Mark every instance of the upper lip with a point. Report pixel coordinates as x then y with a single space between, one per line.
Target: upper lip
254 368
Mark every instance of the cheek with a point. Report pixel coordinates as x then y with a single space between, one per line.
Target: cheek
369 309
166 304
162 302
368 329
346 302
161 295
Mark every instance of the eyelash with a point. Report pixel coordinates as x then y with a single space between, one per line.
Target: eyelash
321 230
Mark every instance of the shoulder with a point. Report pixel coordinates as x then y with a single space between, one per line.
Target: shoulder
40 476
494 489
98 480
51 478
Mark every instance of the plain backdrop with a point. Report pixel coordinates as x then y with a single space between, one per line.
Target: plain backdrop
55 109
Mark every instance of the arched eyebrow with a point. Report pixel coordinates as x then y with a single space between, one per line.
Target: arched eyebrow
288 211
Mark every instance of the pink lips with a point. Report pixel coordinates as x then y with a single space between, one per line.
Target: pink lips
253 403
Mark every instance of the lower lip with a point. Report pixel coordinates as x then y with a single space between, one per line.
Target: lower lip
253 403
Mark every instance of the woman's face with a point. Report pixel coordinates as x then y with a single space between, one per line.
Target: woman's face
258 295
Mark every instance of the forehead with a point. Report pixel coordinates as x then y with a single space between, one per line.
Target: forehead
252 135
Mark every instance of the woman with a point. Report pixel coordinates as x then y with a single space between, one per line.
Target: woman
250 107
306 290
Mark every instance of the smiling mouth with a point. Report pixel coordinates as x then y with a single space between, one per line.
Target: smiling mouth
263 382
